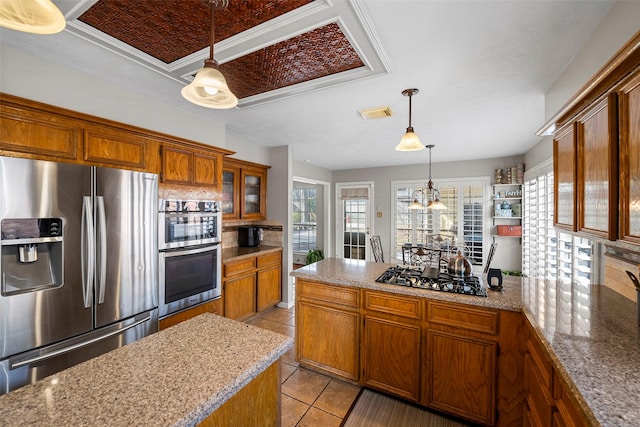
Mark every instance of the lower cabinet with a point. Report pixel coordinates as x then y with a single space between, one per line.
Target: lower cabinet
214 306
547 402
251 285
459 359
391 344
460 375
328 328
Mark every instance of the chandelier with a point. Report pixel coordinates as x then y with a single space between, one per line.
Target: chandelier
430 192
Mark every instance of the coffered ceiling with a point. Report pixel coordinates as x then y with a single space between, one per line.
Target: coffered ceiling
303 68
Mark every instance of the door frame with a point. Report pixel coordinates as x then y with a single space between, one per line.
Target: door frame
339 253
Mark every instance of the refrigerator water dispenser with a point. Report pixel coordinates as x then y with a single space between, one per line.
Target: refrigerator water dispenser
32 254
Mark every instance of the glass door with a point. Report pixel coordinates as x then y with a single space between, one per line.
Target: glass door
355 228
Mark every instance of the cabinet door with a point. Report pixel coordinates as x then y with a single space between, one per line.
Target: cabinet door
268 292
230 193
565 177
629 119
598 169
328 339
254 192
206 170
240 297
119 148
176 165
41 135
461 375
391 357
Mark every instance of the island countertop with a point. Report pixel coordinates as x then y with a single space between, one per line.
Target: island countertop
176 377
589 331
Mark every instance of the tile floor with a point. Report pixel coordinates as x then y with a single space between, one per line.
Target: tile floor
308 398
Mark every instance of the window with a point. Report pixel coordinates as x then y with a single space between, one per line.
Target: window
461 224
546 252
304 219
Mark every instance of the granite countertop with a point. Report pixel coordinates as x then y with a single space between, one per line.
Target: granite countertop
176 377
590 331
235 253
591 334
362 274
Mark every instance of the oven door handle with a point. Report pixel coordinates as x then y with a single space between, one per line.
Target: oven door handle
183 251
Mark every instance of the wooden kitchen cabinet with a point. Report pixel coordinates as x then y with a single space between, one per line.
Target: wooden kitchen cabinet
629 113
213 306
461 360
184 165
565 178
391 344
597 130
252 285
548 401
114 147
244 190
328 328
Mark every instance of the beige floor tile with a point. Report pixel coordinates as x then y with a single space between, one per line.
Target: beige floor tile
316 417
267 324
305 385
337 398
280 315
287 330
286 370
290 357
292 411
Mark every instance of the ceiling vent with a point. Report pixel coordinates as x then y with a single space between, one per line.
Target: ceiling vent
375 113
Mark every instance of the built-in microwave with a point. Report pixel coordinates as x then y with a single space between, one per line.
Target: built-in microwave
184 223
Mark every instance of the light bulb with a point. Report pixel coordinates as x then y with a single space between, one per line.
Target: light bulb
210 90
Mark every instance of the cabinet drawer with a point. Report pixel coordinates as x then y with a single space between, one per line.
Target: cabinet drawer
539 398
327 293
474 319
392 304
238 267
269 259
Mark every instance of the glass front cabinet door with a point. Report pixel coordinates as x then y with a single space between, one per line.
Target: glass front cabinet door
244 190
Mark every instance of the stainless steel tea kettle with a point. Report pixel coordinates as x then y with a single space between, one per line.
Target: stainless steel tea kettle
460 265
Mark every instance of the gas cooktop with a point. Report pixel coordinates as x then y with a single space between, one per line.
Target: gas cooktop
416 277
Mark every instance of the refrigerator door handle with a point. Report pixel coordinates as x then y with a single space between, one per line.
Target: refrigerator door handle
102 241
87 250
58 352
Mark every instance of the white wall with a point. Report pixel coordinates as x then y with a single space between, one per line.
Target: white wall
246 150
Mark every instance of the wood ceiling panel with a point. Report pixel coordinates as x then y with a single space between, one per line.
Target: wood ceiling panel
318 53
172 29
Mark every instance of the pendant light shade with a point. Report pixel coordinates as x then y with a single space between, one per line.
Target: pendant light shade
410 140
31 16
209 88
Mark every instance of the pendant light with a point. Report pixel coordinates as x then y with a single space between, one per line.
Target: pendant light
432 193
31 16
209 87
410 141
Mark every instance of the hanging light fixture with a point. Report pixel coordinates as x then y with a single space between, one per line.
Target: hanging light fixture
432 193
31 16
409 141
209 87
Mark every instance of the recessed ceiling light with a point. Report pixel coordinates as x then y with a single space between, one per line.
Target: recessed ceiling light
376 113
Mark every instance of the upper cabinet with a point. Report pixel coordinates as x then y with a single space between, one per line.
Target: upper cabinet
629 112
597 135
565 175
185 165
596 152
244 190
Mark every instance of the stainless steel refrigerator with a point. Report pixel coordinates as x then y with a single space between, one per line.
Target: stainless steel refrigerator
78 271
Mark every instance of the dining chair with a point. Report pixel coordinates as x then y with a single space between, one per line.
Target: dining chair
376 247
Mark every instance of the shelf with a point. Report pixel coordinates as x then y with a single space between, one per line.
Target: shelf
496 199
507 217
504 185
497 235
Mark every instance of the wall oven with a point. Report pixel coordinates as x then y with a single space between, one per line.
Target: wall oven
190 259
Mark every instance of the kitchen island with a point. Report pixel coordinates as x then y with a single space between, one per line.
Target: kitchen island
180 376
589 334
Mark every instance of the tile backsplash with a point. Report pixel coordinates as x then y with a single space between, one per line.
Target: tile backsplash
272 233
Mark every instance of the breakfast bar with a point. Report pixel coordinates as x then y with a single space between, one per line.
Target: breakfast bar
180 376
